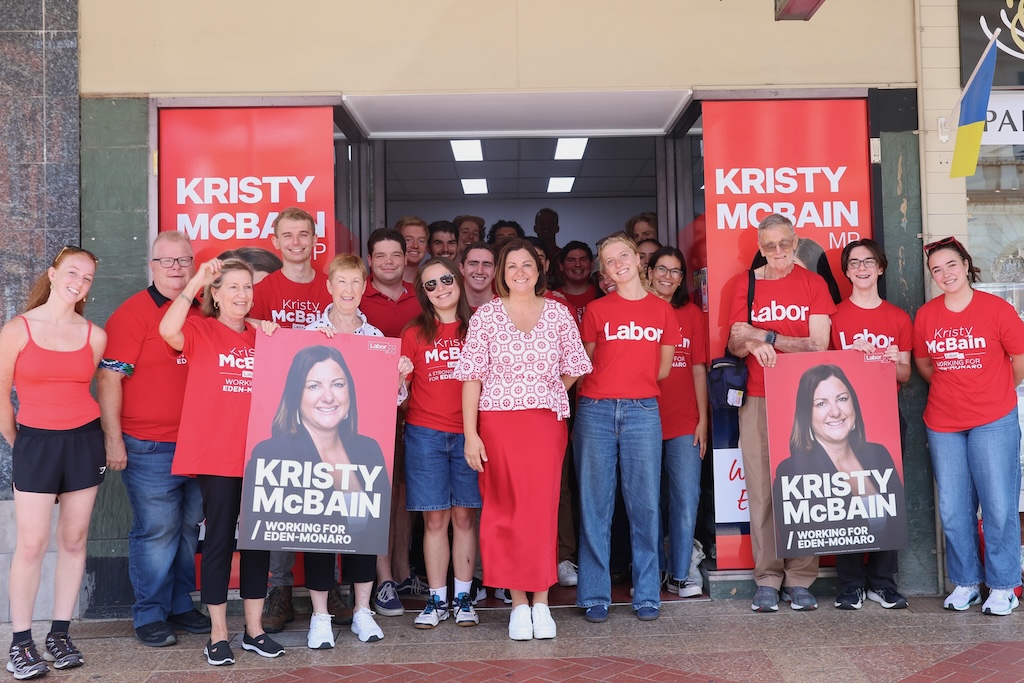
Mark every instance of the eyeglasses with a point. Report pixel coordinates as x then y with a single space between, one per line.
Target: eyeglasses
856 263
71 250
447 279
944 242
168 262
663 271
772 247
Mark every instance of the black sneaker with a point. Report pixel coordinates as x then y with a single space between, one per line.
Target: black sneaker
62 652
219 653
888 598
25 662
851 598
156 634
192 621
263 645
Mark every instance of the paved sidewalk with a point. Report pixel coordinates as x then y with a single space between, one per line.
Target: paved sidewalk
698 640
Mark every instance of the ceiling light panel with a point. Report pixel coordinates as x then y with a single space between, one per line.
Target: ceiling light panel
560 184
570 148
467 150
474 185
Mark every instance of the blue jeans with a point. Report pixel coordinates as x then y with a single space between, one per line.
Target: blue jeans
980 465
623 433
162 543
682 471
436 474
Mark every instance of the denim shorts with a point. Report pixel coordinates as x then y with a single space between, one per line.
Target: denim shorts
436 474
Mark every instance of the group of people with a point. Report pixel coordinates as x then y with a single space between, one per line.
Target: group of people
967 344
609 367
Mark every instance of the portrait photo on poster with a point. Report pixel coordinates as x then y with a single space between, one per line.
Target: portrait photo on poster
835 453
320 444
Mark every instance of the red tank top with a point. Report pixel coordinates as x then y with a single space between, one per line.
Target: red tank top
53 386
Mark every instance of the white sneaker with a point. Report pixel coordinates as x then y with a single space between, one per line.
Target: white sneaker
364 626
543 624
1000 602
568 573
520 624
503 594
321 633
688 589
433 614
962 598
465 615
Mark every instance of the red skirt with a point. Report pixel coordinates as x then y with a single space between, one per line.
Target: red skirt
520 487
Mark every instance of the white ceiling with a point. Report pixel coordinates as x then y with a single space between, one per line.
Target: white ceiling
519 131
541 114
520 168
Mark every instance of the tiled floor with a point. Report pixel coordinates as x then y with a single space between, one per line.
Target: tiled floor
692 641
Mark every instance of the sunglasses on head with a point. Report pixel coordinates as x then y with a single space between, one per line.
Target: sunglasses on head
447 279
940 244
72 250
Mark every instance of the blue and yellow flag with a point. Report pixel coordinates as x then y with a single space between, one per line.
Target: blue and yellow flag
973 111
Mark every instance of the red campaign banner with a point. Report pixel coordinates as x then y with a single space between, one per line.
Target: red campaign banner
225 174
805 159
321 443
835 453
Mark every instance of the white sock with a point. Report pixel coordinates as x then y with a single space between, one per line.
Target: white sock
463 587
441 593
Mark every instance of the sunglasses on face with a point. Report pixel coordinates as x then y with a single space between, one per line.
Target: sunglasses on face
447 279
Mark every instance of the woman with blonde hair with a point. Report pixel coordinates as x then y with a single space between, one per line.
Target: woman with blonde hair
630 335
219 346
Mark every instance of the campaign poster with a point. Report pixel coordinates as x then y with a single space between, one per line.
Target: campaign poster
320 445
225 175
835 452
805 159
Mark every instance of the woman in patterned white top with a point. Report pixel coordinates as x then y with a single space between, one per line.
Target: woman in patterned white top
521 355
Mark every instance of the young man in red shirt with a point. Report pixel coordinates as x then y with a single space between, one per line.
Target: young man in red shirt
575 261
141 389
389 304
415 234
295 297
477 269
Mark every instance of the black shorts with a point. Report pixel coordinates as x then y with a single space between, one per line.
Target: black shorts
59 460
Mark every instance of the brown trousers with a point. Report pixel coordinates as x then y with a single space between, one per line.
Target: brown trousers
769 569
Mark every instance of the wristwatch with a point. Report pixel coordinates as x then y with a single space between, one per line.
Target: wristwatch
770 337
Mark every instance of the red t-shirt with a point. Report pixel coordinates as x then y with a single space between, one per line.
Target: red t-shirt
784 306
578 302
290 304
678 402
973 380
153 394
218 392
386 314
435 396
881 327
629 336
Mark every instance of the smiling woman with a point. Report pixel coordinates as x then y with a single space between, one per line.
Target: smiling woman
49 355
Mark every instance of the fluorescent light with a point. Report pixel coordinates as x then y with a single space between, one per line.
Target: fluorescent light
561 184
570 148
467 150
474 185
